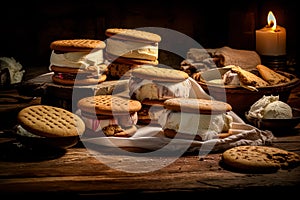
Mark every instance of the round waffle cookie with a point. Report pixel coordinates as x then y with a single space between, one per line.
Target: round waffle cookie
77 45
108 105
259 159
193 105
111 114
133 34
159 74
49 121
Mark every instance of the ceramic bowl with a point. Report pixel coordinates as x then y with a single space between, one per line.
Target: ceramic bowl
278 126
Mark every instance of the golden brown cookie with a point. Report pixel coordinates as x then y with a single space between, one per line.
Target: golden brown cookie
272 77
76 59
49 121
159 73
108 105
259 159
249 79
111 114
194 105
77 45
133 34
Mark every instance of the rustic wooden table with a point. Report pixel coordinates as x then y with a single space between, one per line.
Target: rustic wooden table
78 173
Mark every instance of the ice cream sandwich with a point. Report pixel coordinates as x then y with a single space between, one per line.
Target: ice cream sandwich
78 61
195 119
128 48
49 126
153 85
111 115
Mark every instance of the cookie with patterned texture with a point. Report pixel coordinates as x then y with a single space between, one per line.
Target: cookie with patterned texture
50 121
159 74
133 34
259 159
195 105
77 45
113 115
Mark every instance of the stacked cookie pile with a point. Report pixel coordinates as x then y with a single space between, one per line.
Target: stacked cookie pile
92 61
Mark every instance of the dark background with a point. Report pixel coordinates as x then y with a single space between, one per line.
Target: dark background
28 27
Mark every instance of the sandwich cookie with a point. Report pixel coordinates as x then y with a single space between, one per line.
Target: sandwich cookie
128 48
153 85
111 114
132 43
45 125
192 118
78 61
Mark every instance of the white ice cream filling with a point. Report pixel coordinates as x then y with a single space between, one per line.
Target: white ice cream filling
206 126
23 132
77 59
126 48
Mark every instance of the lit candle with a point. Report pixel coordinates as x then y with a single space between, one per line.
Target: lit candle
271 39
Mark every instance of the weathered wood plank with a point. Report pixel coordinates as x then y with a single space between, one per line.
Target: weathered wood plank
77 171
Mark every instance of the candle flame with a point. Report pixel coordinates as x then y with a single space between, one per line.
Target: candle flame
271 21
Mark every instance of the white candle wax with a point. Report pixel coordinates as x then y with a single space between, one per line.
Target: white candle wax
271 42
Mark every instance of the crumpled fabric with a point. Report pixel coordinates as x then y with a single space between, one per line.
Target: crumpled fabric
16 70
245 134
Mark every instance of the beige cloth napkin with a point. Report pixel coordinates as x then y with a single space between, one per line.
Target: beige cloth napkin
221 57
246 59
